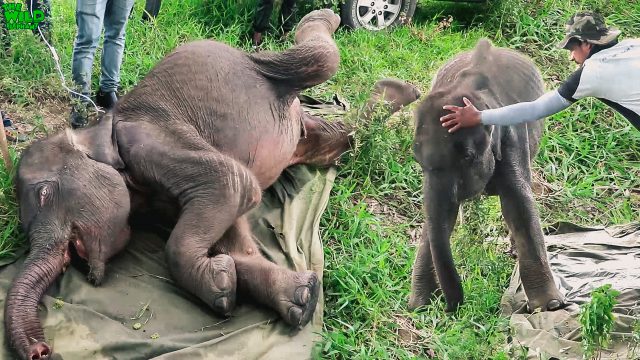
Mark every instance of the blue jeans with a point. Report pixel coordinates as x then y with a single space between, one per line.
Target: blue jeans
90 16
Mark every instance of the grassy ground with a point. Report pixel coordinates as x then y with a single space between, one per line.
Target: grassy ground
588 169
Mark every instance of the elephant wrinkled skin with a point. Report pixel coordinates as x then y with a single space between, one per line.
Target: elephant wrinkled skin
495 160
202 134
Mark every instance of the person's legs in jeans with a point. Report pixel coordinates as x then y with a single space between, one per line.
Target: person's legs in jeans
261 21
115 23
89 17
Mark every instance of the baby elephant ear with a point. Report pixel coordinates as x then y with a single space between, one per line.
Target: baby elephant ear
99 142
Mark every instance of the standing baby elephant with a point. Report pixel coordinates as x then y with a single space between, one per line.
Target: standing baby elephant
491 159
206 130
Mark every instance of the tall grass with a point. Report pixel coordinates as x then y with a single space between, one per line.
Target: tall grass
588 163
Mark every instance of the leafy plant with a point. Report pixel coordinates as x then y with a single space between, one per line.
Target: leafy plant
635 339
596 320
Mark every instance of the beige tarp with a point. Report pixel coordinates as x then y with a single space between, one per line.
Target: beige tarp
87 322
581 260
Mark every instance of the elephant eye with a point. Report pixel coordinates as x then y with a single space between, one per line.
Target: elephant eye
470 155
43 193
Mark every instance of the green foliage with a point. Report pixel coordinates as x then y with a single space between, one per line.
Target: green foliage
10 236
635 339
596 320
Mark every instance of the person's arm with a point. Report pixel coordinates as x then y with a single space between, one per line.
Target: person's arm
547 104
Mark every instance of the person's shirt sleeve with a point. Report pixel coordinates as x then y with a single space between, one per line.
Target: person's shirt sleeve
548 104
569 88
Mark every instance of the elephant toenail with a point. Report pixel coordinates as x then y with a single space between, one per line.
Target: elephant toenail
223 283
302 295
222 303
295 315
554 304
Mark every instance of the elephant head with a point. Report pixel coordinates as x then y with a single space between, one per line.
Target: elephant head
468 155
71 197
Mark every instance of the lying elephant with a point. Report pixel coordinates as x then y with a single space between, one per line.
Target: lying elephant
493 159
205 131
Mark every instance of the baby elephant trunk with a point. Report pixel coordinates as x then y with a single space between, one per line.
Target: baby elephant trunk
23 326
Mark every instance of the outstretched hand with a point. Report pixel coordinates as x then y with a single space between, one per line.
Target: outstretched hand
461 117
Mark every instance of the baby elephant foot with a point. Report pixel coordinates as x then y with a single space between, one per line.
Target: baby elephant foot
299 298
223 299
419 299
547 302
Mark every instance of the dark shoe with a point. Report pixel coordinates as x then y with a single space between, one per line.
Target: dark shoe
6 120
79 117
106 100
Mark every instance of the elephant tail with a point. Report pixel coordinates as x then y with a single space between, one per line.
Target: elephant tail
313 60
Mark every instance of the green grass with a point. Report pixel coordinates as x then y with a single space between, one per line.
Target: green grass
589 161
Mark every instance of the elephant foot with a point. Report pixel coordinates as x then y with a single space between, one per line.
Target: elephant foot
300 298
39 351
224 284
546 302
421 299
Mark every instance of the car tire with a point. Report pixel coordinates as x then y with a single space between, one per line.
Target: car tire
151 9
367 13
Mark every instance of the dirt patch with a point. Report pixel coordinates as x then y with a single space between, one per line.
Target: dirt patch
49 115
35 121
412 338
389 215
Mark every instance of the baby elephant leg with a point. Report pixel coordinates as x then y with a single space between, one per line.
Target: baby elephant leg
210 208
293 295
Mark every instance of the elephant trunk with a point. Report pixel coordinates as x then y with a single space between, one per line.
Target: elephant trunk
23 326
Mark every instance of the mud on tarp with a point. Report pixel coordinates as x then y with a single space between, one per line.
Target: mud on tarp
86 322
581 259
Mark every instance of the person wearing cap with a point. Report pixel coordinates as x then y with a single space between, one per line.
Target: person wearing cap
609 71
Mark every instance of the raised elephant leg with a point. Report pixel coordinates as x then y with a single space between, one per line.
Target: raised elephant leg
521 215
435 248
322 142
425 283
293 295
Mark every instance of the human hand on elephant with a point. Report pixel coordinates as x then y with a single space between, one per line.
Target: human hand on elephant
467 116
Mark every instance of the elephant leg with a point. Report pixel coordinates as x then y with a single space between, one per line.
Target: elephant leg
293 295
521 216
424 281
212 191
322 142
440 218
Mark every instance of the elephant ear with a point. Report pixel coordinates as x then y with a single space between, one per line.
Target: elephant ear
98 142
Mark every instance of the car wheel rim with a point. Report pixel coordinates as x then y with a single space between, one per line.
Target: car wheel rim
377 14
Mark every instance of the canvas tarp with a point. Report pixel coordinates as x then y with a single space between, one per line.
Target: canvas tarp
581 259
86 322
